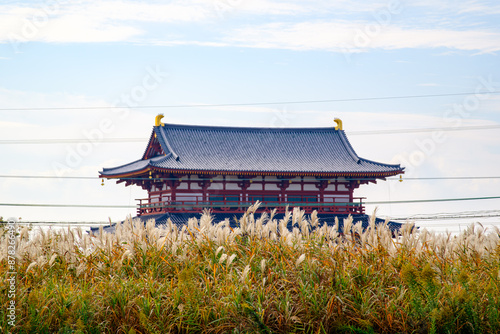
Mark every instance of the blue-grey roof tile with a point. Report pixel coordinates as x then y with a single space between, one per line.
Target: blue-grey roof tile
274 150
181 219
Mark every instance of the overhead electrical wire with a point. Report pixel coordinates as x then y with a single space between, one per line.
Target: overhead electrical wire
44 141
55 177
399 131
427 218
49 177
433 200
69 205
447 178
312 204
451 215
251 104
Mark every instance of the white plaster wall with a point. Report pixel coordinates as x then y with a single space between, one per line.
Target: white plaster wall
331 187
232 186
195 186
310 187
215 186
232 178
255 186
272 186
342 187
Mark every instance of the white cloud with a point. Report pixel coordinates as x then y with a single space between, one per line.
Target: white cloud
429 84
344 36
187 42
119 20
91 21
476 7
481 7
10 98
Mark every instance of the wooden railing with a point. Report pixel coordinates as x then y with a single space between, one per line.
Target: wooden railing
197 204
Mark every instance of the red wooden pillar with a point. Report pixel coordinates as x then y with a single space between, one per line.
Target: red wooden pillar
173 184
283 185
204 184
322 185
243 184
353 184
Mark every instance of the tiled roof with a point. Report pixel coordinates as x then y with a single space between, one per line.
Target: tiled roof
256 150
181 219
329 219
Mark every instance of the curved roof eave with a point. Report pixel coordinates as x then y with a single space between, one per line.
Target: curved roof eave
127 169
258 173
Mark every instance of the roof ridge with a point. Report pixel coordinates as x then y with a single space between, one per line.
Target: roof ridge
147 146
246 128
348 146
166 142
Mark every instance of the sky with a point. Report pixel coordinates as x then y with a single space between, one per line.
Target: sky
77 77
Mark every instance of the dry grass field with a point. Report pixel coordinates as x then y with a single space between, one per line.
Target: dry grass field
260 277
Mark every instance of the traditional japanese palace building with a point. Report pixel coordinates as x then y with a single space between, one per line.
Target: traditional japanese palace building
188 168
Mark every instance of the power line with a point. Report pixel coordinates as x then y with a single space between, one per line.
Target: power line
49 177
452 215
447 178
71 141
69 205
277 205
474 212
433 200
446 217
251 104
139 140
168 179
398 131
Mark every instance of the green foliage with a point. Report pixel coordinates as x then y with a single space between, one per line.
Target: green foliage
207 278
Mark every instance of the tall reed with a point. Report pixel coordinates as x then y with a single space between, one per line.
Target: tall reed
260 277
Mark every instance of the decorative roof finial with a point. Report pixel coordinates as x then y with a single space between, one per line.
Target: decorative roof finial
339 124
158 120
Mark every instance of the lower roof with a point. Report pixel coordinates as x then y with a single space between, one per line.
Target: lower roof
181 219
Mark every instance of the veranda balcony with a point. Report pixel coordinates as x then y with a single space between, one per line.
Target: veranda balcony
230 204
